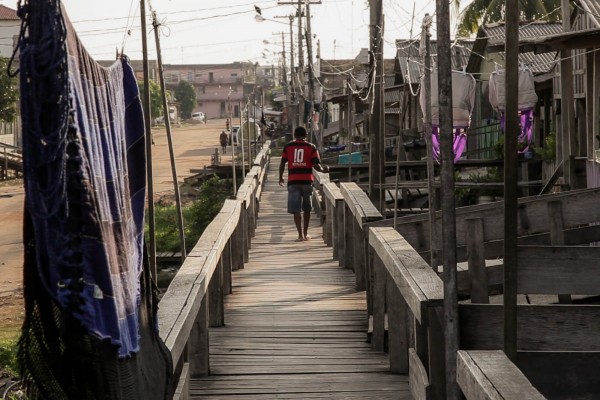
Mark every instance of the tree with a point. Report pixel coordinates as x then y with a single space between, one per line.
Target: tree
9 93
156 104
186 96
480 12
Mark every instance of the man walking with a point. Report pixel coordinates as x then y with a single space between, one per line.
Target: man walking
301 157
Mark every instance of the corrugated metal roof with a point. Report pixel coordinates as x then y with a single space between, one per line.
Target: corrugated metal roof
391 96
8 14
591 9
407 53
494 35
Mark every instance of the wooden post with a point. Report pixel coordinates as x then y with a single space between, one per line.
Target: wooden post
377 124
348 238
246 232
569 138
358 246
328 225
476 261
215 302
557 236
397 330
226 267
510 179
427 129
339 252
451 334
198 347
161 77
378 296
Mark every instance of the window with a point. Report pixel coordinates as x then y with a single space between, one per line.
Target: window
190 76
202 89
211 78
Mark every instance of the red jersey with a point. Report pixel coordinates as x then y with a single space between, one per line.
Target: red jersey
301 156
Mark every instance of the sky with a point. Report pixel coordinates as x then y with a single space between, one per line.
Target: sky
224 31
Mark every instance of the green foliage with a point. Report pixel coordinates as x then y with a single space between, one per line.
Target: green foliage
468 196
186 96
8 355
479 12
213 193
548 150
9 93
156 103
196 216
499 147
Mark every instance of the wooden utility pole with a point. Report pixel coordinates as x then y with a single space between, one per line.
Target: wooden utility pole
163 91
311 74
427 129
292 110
511 135
568 125
451 334
148 127
350 120
377 126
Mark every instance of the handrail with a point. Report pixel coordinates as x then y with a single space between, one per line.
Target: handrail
185 311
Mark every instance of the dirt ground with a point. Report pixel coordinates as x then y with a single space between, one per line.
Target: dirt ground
193 146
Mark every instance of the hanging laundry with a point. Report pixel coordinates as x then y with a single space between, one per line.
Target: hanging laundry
90 328
463 98
527 99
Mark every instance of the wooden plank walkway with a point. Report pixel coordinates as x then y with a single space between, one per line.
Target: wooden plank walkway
295 328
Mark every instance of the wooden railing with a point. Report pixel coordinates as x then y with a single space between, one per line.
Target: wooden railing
405 294
193 301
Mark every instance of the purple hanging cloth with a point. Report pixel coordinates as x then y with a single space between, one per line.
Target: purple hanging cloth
459 142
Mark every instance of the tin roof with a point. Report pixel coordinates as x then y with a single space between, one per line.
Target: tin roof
592 10
491 37
8 14
410 62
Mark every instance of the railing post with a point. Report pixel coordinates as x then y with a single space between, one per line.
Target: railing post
348 238
215 293
397 329
197 346
359 258
378 296
339 252
238 243
328 225
226 266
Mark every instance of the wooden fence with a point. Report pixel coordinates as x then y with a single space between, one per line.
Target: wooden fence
558 342
194 300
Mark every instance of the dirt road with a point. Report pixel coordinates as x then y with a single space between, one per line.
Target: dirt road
193 147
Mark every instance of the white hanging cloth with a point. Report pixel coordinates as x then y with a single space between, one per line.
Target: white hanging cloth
527 96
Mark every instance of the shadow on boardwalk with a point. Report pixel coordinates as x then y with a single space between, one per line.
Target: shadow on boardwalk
295 326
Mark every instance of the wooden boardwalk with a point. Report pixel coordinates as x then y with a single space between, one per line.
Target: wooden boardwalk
295 328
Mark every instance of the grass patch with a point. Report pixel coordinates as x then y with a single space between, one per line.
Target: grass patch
196 216
8 355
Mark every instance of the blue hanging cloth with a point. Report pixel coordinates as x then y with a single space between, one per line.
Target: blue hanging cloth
89 299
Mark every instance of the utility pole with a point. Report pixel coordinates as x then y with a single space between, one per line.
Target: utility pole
427 129
232 143
149 179
241 139
311 74
377 157
451 333
350 126
568 124
293 93
161 76
511 134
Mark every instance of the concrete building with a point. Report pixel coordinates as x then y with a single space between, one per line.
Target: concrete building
10 25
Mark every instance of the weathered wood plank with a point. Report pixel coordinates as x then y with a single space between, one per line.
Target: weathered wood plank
182 391
296 327
579 208
564 327
558 269
484 375
419 382
418 283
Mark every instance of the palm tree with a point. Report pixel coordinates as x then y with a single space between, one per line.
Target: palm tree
480 12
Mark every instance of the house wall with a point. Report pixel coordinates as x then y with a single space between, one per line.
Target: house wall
9 33
214 85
